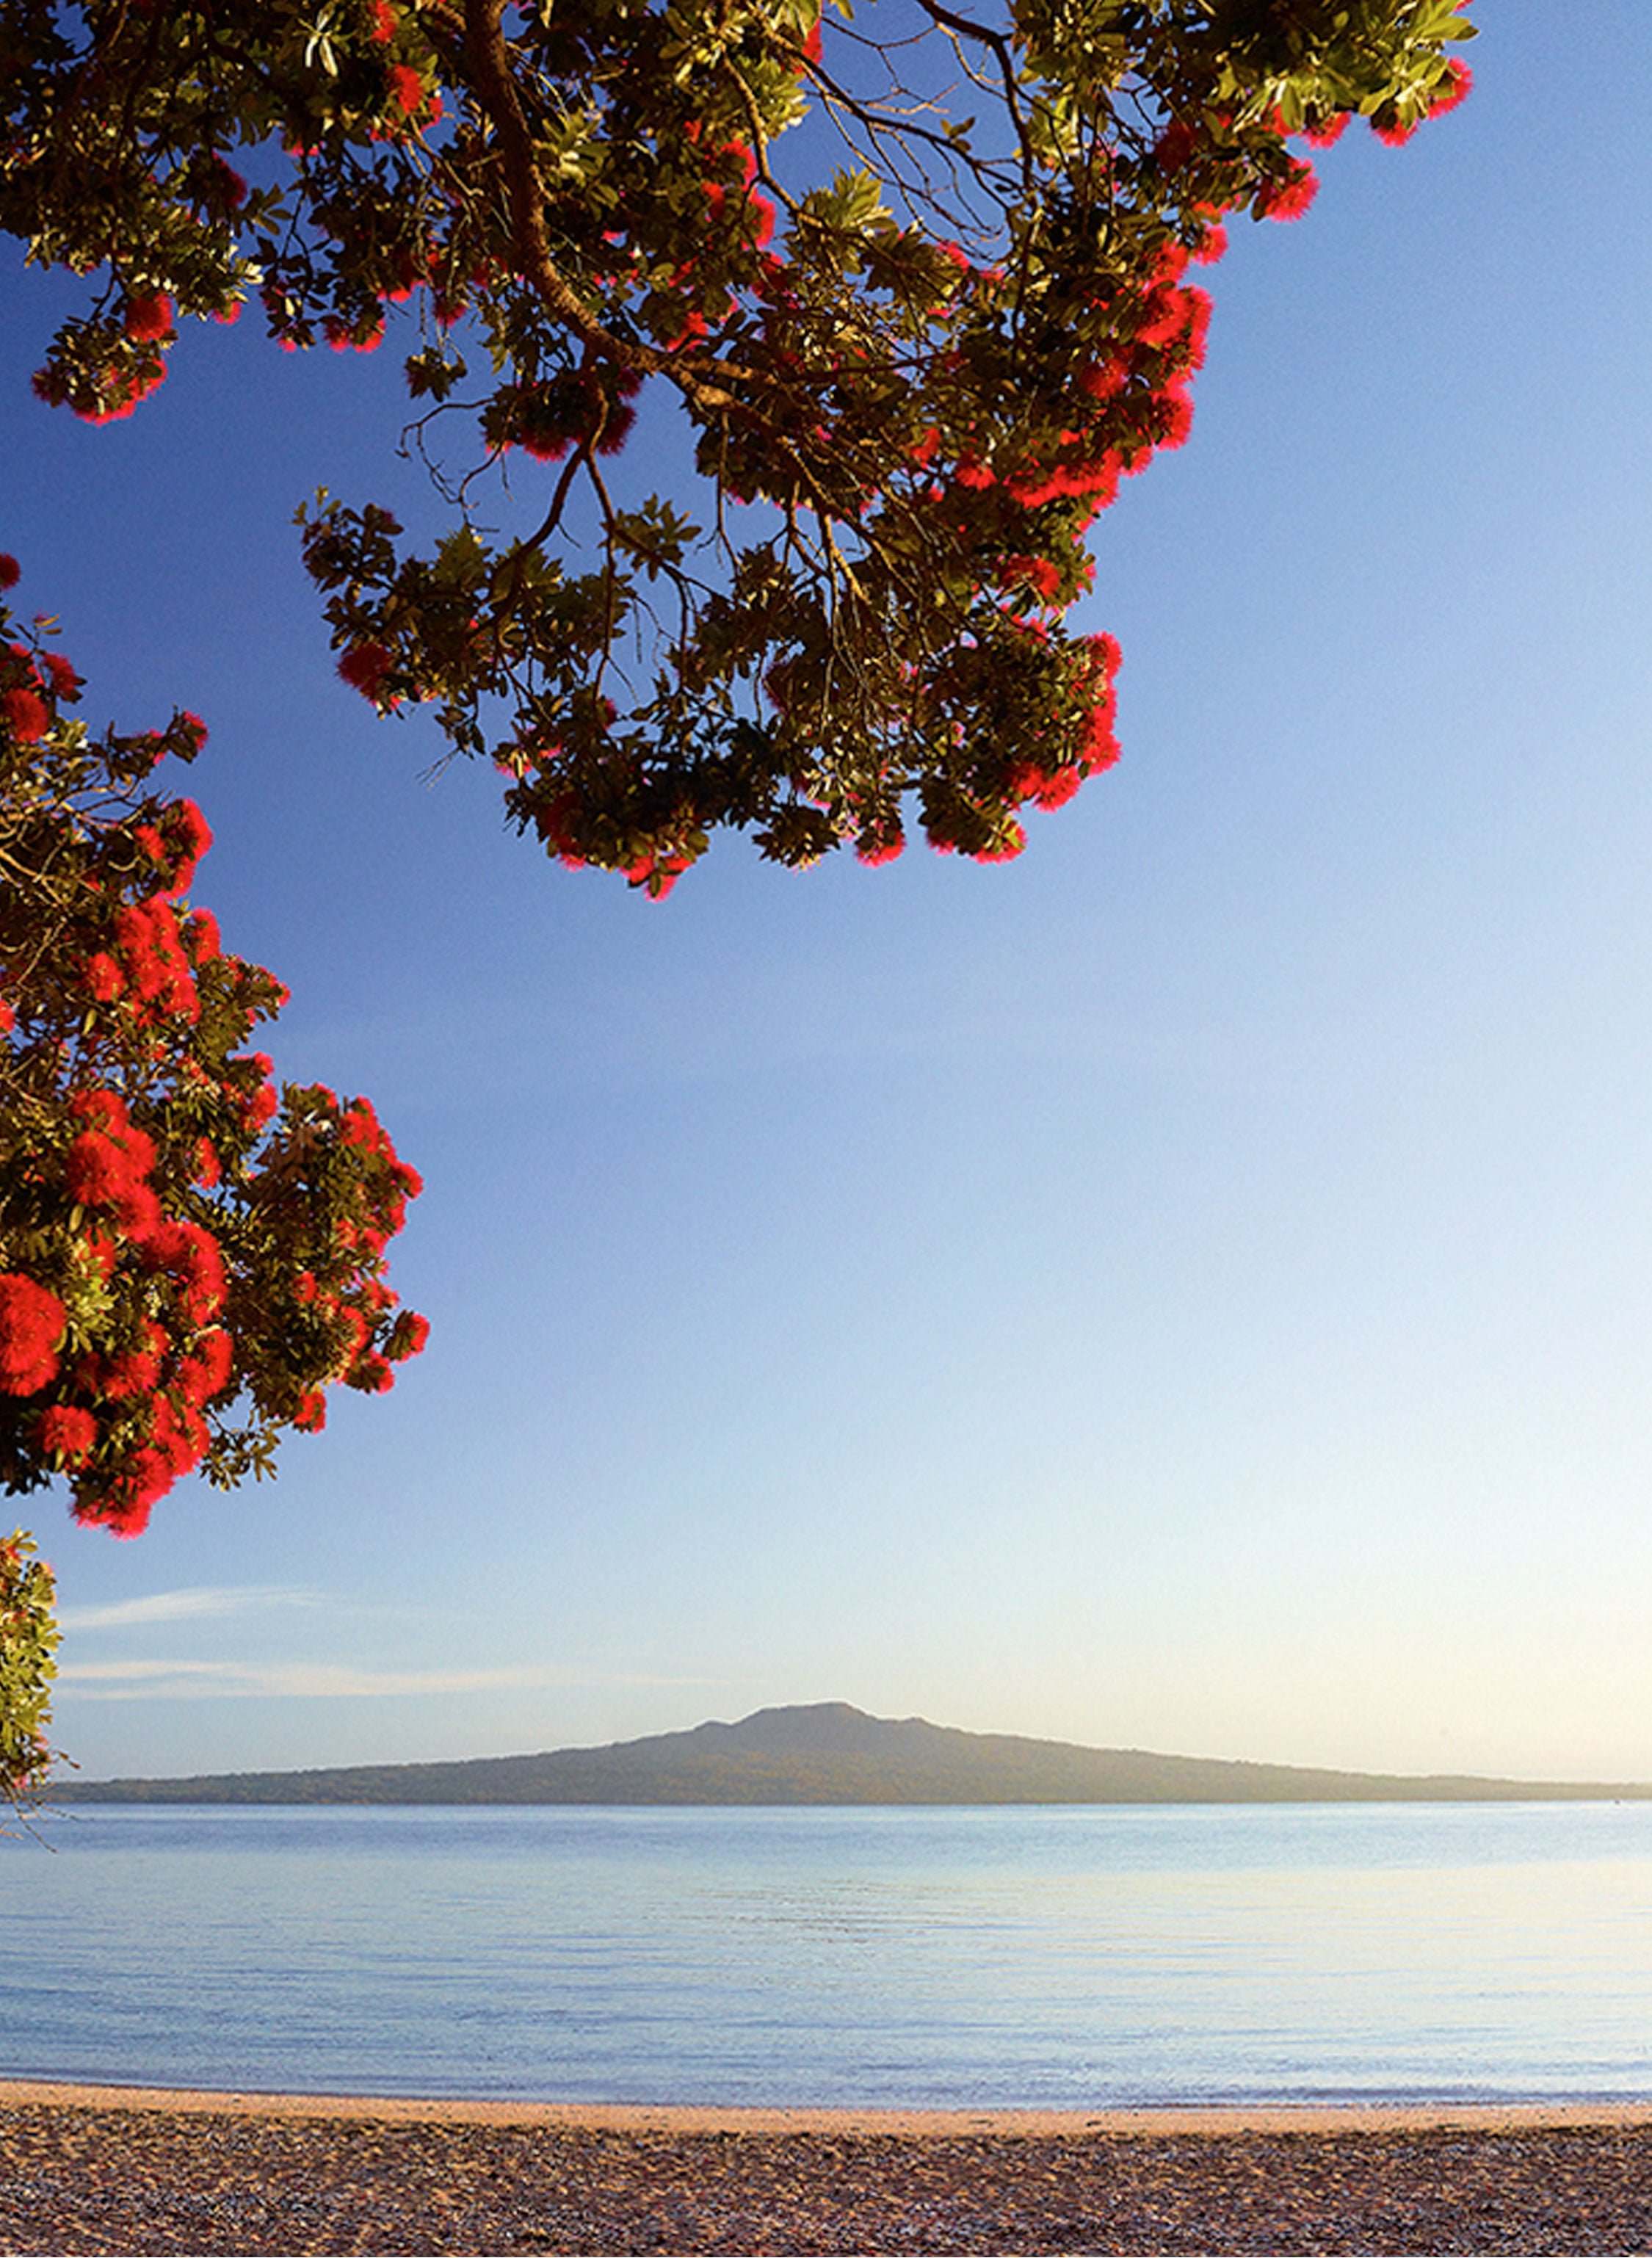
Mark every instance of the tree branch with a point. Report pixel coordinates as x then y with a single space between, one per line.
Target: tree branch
496 89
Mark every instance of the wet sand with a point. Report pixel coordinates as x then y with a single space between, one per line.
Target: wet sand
95 2169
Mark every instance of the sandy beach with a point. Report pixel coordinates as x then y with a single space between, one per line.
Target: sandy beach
94 2169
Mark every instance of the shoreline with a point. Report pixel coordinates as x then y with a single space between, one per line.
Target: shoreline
1155 2122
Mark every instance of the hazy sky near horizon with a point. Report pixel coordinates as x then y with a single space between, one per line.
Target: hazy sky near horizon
1190 1287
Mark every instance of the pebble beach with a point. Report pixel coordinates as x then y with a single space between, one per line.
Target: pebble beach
89 2171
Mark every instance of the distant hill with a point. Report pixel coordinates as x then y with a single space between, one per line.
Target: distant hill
830 1753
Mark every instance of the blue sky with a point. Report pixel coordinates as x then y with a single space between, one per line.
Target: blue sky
1189 1287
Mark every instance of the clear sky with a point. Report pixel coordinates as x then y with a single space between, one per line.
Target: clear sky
1190 1287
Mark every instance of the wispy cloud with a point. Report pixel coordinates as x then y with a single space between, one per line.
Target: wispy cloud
147 1680
193 1601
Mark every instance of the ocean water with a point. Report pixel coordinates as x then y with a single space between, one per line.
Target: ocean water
1053 1959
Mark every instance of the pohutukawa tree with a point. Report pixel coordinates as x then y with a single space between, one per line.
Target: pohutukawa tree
915 277
189 1258
915 280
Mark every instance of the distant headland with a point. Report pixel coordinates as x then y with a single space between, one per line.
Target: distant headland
827 1752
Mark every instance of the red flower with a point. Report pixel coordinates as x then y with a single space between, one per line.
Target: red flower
138 1371
157 969
407 1336
96 1171
1165 314
1456 82
26 714
311 1415
1173 419
384 23
103 978
11 572
201 937
106 1165
67 1432
149 318
1174 146
188 836
617 429
1170 264
365 667
1046 788
32 1323
359 1124
1040 572
177 1442
188 1253
101 1105
1289 198
205 1372
1104 381
407 89
1005 848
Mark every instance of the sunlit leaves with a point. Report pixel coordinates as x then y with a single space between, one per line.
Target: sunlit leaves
28 1648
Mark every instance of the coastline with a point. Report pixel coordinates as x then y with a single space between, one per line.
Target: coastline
1155 2122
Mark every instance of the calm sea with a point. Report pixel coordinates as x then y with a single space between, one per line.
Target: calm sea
1030 1958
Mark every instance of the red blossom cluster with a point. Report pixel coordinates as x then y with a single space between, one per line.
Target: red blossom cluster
33 1324
365 667
574 408
28 679
1458 83
149 317
119 361
176 1240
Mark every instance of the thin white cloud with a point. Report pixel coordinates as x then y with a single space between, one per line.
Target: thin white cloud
191 1602
143 1680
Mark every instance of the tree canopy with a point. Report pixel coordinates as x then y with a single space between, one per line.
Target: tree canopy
914 279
